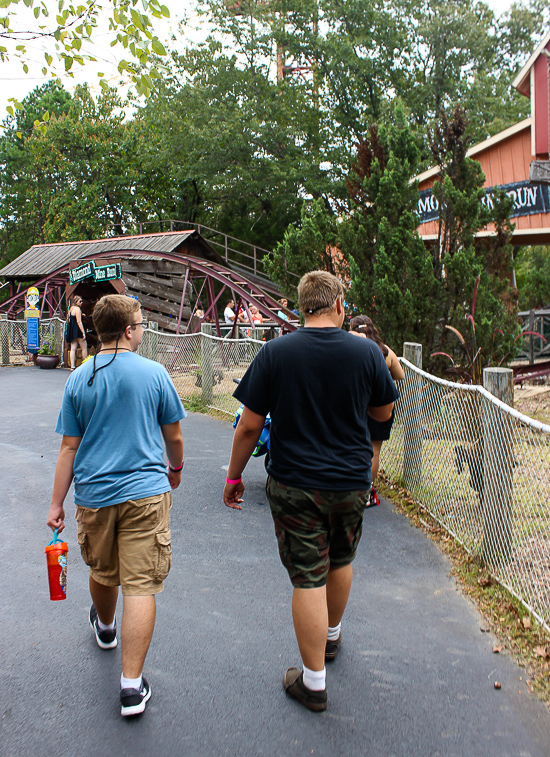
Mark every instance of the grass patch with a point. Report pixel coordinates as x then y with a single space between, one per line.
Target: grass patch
519 633
196 404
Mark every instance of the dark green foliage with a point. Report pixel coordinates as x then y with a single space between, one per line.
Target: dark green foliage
307 247
533 277
391 273
465 263
86 177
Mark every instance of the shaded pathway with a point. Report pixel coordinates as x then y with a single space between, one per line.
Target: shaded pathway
415 675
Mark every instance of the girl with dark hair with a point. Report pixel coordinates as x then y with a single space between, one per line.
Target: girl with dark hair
362 326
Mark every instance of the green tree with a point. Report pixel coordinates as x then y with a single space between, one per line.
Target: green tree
86 177
64 27
309 246
241 142
533 277
22 226
464 262
391 273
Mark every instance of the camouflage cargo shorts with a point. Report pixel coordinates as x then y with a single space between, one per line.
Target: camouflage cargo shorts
315 530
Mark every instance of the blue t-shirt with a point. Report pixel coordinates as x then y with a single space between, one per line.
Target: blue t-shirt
118 418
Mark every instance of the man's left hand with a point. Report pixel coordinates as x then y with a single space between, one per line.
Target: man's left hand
56 518
232 495
174 478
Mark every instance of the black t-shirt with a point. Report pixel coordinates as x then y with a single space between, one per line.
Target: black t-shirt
317 385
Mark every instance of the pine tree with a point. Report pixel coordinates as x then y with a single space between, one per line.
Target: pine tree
473 272
391 272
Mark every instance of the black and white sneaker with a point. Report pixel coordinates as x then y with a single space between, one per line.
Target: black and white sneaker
105 639
132 701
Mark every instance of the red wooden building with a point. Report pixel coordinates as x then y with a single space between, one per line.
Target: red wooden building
509 158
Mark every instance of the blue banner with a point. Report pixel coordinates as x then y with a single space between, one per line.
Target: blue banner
529 199
33 335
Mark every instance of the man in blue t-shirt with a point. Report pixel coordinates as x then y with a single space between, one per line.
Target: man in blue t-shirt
319 384
117 410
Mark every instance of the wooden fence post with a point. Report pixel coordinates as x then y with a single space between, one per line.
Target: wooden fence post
5 339
411 397
207 376
498 467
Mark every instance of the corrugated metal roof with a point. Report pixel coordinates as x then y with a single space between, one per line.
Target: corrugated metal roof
41 259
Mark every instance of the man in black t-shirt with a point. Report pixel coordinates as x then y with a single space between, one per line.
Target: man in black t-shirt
319 383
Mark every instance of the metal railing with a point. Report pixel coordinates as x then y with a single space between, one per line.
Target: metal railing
242 254
13 339
482 470
535 322
203 365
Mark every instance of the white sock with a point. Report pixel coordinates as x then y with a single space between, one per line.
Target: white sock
334 633
103 627
130 683
315 680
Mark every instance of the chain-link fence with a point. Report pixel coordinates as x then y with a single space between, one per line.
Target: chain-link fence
13 339
479 467
482 470
203 365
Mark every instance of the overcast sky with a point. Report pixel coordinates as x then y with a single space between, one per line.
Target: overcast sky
14 82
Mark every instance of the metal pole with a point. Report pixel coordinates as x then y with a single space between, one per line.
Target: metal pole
5 339
205 367
531 337
182 300
411 398
498 468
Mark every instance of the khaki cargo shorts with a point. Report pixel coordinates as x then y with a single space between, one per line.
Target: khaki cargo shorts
128 545
315 530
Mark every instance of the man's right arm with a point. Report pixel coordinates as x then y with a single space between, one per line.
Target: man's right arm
62 481
246 437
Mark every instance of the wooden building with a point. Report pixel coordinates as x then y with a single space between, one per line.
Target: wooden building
508 160
172 274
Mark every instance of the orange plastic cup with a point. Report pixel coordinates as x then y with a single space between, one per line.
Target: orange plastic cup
56 556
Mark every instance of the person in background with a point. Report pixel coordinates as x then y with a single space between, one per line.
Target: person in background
76 334
362 325
117 410
256 318
284 303
229 312
319 385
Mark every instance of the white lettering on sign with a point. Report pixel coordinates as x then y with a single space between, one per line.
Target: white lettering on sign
528 199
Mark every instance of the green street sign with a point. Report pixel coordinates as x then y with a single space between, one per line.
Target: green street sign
82 272
107 272
97 272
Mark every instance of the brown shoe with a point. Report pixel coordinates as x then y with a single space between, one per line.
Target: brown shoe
332 648
293 682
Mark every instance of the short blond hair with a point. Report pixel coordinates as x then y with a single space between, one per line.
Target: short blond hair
318 292
112 313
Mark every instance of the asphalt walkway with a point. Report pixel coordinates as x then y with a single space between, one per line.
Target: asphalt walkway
414 677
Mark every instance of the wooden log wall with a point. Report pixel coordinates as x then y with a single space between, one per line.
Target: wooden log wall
159 285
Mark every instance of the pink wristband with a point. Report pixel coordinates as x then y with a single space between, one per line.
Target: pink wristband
233 480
